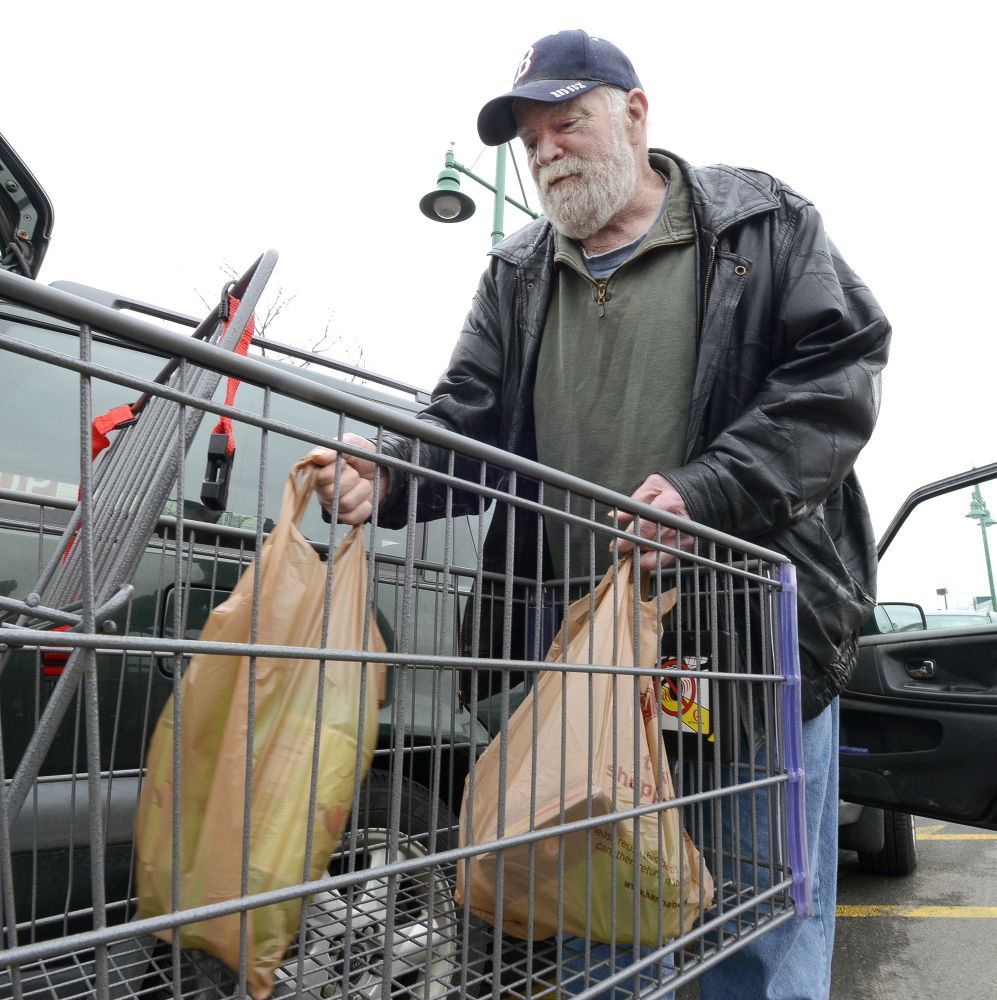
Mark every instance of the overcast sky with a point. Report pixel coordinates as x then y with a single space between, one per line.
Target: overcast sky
174 137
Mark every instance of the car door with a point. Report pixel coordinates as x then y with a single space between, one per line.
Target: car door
919 716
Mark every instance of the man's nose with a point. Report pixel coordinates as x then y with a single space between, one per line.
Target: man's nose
548 149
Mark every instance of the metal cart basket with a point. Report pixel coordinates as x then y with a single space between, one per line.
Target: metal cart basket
88 661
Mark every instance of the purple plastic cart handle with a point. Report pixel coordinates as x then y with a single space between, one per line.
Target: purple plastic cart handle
792 741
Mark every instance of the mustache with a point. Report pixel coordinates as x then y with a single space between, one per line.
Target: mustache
559 169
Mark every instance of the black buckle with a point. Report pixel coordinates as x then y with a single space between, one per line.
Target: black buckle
223 302
214 489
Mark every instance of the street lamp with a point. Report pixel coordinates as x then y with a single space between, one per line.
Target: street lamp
447 203
978 512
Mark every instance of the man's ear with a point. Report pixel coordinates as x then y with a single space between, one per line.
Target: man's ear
637 108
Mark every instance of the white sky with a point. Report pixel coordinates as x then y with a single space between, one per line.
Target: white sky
939 547
172 137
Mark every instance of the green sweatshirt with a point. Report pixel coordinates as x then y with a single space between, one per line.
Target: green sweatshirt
616 367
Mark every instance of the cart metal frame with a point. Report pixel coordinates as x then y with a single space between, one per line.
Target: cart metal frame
385 921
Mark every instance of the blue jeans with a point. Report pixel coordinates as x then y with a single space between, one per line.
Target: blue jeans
793 961
600 970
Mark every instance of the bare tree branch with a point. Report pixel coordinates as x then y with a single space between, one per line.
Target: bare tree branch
269 310
268 313
207 304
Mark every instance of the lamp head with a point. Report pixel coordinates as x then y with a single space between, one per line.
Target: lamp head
978 510
447 203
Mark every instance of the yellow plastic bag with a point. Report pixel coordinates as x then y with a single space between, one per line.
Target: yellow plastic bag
214 699
590 782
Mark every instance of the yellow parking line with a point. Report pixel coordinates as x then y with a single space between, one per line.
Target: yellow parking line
918 911
957 836
931 833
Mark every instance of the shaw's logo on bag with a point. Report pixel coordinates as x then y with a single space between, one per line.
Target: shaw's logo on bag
622 776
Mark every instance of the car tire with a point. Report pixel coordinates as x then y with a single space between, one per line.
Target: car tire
899 853
865 834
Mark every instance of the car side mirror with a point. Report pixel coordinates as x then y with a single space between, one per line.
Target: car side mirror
895 617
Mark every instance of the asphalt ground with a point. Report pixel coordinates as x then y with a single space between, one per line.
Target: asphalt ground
931 935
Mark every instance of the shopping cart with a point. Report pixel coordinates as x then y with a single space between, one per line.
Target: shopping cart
467 642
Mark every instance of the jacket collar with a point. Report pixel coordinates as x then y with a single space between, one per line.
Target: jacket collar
722 197
532 242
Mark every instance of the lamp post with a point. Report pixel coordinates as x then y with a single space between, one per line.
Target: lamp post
978 512
447 203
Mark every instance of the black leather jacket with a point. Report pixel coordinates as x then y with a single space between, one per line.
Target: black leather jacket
786 393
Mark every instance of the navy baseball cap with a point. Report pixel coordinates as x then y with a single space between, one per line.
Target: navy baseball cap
557 68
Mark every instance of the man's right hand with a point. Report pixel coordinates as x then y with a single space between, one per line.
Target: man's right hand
356 481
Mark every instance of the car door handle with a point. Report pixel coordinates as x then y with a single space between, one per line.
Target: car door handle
921 669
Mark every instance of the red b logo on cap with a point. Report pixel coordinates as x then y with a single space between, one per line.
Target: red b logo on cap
525 64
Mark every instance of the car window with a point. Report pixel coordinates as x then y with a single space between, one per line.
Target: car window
466 533
955 619
24 552
942 559
42 399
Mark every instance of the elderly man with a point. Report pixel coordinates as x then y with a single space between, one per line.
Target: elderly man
695 331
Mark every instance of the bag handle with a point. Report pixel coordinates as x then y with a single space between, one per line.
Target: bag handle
298 491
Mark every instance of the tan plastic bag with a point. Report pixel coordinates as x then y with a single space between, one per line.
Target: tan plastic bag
215 692
587 785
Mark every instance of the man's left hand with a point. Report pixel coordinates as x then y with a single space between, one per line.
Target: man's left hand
657 492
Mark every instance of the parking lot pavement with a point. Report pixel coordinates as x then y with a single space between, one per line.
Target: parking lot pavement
930 936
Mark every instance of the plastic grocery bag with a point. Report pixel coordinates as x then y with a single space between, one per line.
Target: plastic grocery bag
592 780
215 700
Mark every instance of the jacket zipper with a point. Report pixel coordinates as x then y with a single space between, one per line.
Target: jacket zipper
601 286
706 285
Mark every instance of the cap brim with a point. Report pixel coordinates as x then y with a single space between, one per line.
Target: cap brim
496 123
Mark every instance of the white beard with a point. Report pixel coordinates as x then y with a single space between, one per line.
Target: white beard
600 188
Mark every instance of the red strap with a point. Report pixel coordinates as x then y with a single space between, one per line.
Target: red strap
224 425
113 419
109 421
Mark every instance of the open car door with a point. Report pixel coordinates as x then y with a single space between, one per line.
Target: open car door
919 716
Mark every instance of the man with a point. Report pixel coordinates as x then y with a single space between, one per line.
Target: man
692 330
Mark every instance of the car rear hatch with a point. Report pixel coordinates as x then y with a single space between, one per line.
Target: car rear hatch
26 216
